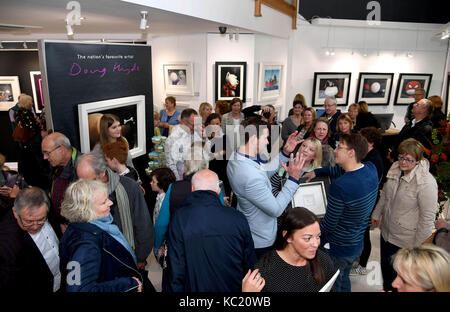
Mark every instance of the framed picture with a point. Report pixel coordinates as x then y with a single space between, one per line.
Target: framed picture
312 196
179 78
270 79
131 112
230 80
331 84
407 85
38 97
374 88
9 92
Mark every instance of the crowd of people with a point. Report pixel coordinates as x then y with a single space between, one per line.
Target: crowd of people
223 218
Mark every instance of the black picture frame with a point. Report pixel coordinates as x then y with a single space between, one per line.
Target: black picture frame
421 80
227 92
374 88
331 84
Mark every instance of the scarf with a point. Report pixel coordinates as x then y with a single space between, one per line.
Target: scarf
123 204
106 225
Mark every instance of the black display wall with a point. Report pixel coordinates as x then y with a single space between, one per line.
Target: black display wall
15 63
75 73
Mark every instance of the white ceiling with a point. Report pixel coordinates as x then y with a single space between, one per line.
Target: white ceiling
104 19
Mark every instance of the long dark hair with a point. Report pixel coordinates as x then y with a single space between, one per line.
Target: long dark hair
296 219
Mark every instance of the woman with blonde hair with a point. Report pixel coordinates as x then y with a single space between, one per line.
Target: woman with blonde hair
422 269
353 111
407 206
205 110
344 125
105 259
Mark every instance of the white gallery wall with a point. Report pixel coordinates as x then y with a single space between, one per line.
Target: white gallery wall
386 49
204 50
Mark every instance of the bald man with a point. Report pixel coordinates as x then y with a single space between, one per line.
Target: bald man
209 245
62 156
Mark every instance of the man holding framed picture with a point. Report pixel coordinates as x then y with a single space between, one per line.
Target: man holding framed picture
351 199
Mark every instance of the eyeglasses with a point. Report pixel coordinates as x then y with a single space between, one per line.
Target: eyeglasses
48 153
26 223
409 161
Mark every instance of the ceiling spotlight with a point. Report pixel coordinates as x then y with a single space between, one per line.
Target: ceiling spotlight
1 45
236 34
445 34
25 45
144 16
365 53
327 52
409 54
332 52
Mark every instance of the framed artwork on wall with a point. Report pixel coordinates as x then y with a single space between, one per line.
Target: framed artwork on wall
230 80
131 112
36 85
9 92
407 85
270 79
374 88
331 84
179 78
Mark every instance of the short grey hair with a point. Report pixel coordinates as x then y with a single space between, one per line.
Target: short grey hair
63 141
95 160
332 98
31 198
78 203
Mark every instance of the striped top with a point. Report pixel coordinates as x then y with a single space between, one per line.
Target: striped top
351 200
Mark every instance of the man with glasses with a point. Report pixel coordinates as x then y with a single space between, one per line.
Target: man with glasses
420 127
180 140
332 113
29 238
62 157
419 94
351 199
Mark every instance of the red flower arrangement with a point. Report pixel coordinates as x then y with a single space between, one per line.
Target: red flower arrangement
439 166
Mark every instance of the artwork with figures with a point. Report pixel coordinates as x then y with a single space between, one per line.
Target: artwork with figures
178 78
131 113
312 196
230 80
331 85
36 84
374 88
9 92
270 79
407 85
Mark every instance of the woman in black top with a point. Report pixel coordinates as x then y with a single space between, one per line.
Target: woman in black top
295 264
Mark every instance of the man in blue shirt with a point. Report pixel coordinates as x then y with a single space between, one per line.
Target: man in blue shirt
249 178
351 199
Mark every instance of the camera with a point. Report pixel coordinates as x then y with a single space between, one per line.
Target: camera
266 115
222 29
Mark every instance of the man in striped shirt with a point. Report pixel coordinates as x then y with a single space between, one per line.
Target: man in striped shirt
351 199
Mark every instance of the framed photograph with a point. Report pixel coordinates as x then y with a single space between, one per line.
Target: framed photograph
36 85
312 196
270 79
131 112
407 85
331 84
374 88
9 92
230 80
179 78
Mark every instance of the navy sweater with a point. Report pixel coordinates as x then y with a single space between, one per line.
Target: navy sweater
350 202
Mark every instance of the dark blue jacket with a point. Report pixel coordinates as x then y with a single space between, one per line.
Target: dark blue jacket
210 247
105 265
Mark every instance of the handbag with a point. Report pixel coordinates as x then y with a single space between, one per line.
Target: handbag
22 134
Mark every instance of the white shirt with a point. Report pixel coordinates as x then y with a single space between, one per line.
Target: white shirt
47 243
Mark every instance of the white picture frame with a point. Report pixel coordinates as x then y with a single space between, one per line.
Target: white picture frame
38 96
312 196
270 81
86 130
179 78
9 92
